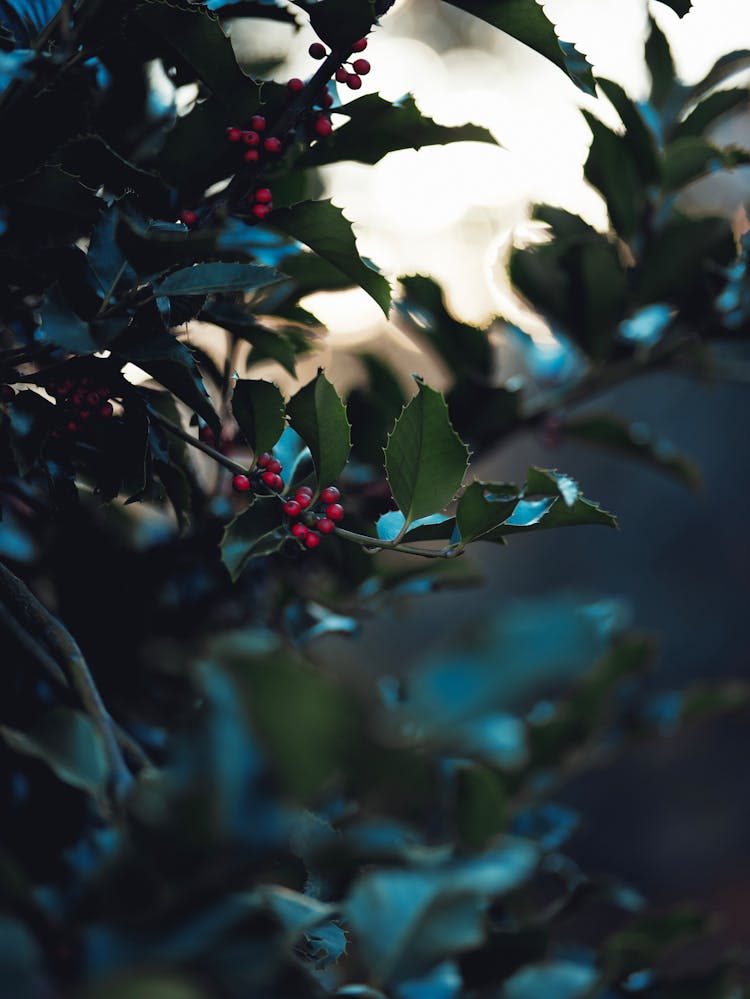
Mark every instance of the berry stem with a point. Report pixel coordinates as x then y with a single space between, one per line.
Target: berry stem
222 459
375 544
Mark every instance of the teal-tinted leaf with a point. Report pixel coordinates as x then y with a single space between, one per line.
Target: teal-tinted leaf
61 326
528 513
613 169
425 459
323 227
390 526
483 506
376 127
634 441
198 37
709 110
258 408
406 921
104 255
256 532
526 21
561 979
545 482
31 418
690 157
660 65
27 18
465 349
318 415
203 279
677 260
304 622
152 248
637 134
69 744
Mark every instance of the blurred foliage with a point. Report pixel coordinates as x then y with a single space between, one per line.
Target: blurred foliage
212 810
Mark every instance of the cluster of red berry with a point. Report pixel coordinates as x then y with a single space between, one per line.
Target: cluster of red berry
252 138
358 68
83 404
312 521
265 474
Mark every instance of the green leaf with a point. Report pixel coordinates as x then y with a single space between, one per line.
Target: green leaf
705 114
660 65
635 441
203 279
340 23
69 744
198 37
526 21
318 415
637 134
323 227
376 127
483 506
680 7
425 459
676 262
61 326
690 157
613 169
258 407
724 67
391 525
256 532
52 191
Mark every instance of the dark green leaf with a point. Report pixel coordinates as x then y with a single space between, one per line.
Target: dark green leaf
61 326
676 262
613 169
706 113
632 440
660 65
323 227
258 407
340 23
53 191
724 67
376 127
680 7
526 21
481 805
318 415
69 744
637 134
483 506
425 460
152 248
104 255
203 279
256 532
31 419
690 157
97 165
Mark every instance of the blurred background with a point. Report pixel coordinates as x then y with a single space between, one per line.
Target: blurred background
674 816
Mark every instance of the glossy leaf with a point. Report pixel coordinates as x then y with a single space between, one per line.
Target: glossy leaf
377 127
676 262
660 65
690 157
391 526
339 23
61 326
69 744
26 19
562 979
637 133
258 408
633 440
318 415
425 459
613 169
256 532
709 110
204 279
323 227
527 22
680 7
723 69
483 506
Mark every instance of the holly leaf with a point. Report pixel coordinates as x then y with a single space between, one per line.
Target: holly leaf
205 279
633 440
425 459
391 525
690 157
258 407
376 127
637 134
660 65
552 500
323 227
61 326
256 532
705 114
318 415
483 506
526 21
340 23
680 7
613 169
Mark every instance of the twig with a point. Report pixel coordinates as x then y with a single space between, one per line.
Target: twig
376 544
35 617
222 459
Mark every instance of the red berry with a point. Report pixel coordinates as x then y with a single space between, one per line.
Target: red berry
252 156
317 51
330 495
327 99
312 540
263 195
250 138
323 127
305 489
299 531
234 134
295 85
335 511
361 66
272 145
106 411
260 211
71 426
342 75
241 483
304 500
274 465
360 46
92 399
84 414
292 508
273 481
79 397
264 459
326 526
258 122
7 393
353 81
188 217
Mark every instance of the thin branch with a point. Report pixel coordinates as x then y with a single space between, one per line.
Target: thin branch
35 617
222 459
376 544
